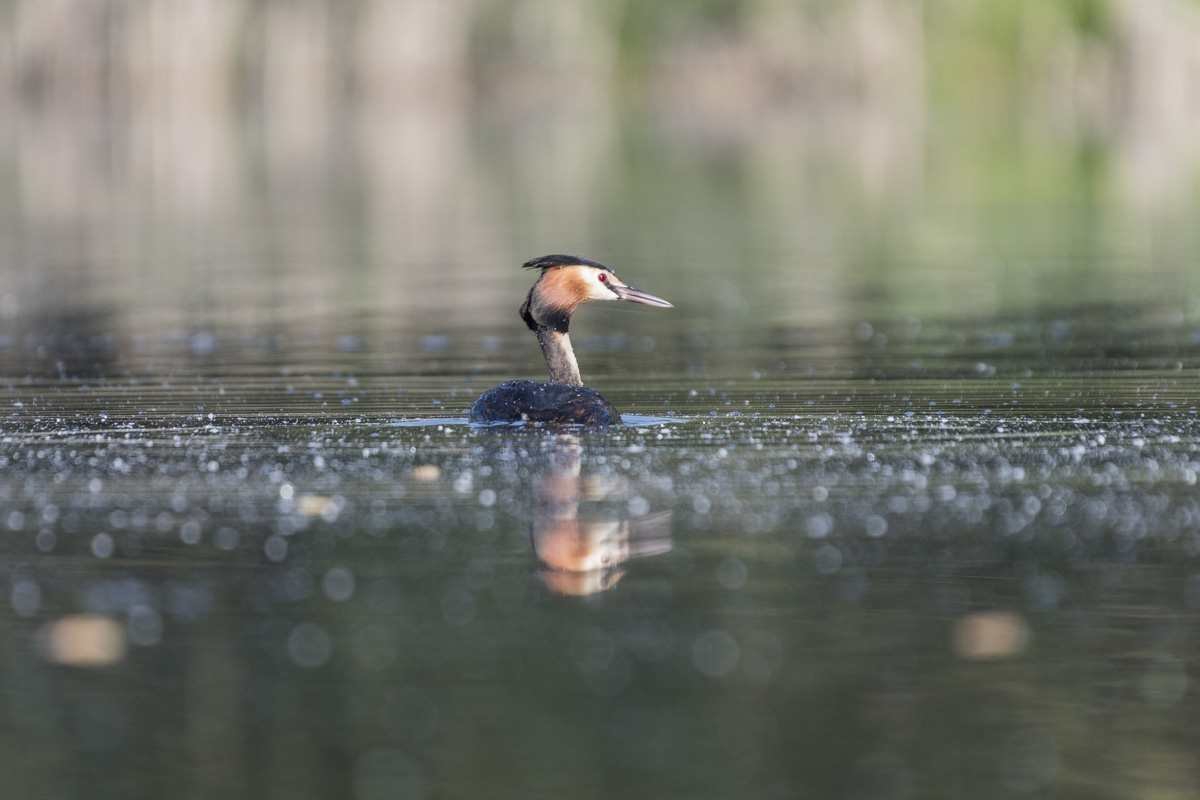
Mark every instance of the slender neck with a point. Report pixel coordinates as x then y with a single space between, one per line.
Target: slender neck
560 358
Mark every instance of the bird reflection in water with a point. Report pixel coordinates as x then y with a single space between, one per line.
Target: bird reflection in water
582 529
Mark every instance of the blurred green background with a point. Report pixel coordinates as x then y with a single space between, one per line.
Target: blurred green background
960 157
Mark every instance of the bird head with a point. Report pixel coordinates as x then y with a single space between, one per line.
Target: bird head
566 282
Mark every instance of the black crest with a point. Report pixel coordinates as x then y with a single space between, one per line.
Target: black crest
550 262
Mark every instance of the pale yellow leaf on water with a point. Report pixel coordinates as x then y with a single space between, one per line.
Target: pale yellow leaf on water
991 636
427 472
318 505
312 505
82 640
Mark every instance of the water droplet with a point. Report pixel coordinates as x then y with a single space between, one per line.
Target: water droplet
190 532
226 539
26 597
715 653
275 547
103 545
875 525
145 626
828 559
338 584
309 645
732 573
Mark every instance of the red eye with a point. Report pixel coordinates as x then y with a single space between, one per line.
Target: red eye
603 277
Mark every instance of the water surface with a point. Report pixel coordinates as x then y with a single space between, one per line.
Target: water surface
906 507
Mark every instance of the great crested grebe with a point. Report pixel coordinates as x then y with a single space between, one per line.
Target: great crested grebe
565 283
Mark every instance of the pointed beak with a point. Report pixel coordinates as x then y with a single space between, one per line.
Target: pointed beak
632 295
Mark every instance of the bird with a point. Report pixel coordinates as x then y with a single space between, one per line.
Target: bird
563 284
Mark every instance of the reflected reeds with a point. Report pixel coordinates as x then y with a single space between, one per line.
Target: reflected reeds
382 152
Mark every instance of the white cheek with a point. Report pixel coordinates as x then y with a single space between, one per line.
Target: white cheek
599 290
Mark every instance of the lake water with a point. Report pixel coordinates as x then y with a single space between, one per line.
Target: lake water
906 506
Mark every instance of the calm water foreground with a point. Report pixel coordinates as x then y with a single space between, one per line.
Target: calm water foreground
783 586
906 506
